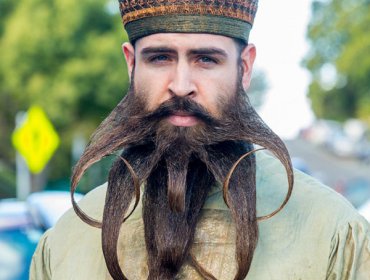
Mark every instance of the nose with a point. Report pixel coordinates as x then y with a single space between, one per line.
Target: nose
182 83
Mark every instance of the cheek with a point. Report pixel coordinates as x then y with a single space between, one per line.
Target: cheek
150 88
216 93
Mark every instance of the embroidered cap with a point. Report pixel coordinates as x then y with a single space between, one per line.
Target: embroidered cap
232 18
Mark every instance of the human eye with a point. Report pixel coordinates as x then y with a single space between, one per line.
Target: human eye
160 58
207 60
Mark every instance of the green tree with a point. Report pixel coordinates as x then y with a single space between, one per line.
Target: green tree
65 56
339 59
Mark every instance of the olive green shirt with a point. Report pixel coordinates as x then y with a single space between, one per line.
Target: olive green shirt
318 235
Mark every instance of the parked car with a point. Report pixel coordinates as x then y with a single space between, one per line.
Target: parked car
18 239
21 225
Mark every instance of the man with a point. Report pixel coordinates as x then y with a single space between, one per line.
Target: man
185 128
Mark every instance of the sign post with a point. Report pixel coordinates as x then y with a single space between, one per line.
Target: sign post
23 176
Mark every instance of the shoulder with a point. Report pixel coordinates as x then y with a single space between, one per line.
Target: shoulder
92 204
315 230
72 239
70 228
72 248
309 198
311 202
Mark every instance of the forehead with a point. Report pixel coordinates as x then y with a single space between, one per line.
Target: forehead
186 41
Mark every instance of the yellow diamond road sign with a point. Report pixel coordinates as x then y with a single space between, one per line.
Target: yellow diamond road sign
35 139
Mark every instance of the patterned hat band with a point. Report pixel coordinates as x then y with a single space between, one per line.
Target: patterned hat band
222 17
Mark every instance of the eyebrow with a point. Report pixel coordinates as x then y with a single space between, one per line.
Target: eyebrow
207 51
199 51
152 50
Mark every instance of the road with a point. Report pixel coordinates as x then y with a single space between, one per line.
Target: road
338 173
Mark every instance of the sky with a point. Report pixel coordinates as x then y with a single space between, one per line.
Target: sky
279 33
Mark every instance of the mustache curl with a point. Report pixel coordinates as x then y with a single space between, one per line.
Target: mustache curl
126 125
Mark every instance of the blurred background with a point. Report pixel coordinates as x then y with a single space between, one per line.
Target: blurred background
62 72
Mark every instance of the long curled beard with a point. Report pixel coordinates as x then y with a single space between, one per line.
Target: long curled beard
178 166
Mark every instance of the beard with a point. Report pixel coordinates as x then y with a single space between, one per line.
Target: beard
178 166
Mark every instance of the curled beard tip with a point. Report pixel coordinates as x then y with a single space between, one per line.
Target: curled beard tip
83 216
226 183
289 170
86 218
76 177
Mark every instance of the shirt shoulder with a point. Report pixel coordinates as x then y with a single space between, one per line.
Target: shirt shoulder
68 250
309 196
309 236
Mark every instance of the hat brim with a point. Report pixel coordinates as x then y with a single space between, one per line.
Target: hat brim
210 24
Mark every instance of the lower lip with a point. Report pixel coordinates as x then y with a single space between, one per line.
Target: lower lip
183 120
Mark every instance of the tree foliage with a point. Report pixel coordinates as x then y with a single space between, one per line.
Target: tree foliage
339 59
65 56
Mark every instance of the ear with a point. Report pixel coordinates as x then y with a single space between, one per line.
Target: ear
247 57
129 52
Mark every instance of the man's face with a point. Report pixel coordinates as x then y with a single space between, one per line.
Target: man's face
202 67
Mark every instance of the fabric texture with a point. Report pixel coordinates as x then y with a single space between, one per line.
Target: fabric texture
318 235
223 17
